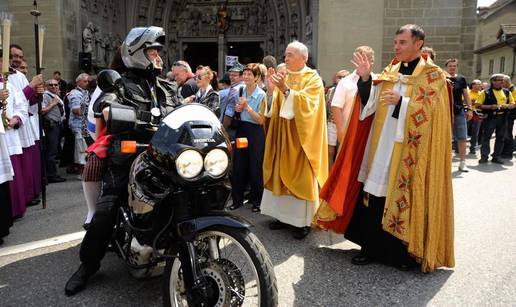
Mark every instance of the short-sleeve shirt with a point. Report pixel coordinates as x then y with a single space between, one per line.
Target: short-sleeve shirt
55 113
474 98
255 102
232 98
78 99
459 84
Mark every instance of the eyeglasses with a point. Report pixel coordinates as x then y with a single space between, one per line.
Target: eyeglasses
499 80
53 84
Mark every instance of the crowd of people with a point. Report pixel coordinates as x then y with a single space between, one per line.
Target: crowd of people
23 174
351 157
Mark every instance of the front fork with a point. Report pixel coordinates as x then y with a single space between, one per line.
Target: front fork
195 283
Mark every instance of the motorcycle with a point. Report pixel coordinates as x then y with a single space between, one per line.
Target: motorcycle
174 221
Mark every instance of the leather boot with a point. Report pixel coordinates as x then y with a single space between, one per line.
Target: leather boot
78 280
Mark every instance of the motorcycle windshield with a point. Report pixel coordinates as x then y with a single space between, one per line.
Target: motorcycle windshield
191 112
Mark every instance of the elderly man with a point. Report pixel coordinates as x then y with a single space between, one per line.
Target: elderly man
296 153
52 109
79 99
391 185
184 78
229 100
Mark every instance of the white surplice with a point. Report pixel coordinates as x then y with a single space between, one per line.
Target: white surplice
376 177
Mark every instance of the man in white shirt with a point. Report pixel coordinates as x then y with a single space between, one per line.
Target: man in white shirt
344 96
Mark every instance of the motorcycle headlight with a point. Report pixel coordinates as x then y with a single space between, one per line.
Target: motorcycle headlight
189 164
216 162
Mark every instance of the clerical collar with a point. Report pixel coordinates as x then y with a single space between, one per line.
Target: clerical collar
407 68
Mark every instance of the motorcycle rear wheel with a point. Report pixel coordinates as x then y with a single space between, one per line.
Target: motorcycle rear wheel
242 275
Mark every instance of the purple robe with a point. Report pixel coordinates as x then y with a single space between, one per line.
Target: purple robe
16 187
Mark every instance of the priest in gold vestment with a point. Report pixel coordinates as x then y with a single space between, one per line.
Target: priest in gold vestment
295 163
403 215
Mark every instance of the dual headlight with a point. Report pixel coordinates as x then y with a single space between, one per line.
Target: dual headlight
190 163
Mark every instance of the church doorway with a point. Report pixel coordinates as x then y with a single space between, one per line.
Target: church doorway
247 52
201 54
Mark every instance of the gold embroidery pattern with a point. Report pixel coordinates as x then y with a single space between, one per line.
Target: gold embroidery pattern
425 95
432 76
396 224
404 183
414 138
419 118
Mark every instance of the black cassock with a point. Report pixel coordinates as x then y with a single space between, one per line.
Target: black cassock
6 220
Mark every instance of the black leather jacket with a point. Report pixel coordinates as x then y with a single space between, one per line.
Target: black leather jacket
137 92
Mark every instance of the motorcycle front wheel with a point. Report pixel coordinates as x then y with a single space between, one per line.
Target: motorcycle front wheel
236 267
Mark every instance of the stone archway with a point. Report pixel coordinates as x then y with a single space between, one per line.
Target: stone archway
270 23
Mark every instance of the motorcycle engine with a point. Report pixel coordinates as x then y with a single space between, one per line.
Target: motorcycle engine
140 255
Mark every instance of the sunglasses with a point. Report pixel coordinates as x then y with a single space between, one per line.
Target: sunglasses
53 84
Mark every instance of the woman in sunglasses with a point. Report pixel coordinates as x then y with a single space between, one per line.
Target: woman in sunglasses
207 93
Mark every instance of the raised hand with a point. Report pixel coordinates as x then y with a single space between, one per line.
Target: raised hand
36 81
40 89
362 65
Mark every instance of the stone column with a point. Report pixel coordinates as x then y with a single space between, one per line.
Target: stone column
221 53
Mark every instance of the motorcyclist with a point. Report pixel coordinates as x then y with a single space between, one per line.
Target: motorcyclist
145 91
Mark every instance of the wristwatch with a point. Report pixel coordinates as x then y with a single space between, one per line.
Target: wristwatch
286 92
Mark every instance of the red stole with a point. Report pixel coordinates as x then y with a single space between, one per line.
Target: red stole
342 188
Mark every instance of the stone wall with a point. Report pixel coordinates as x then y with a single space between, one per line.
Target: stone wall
23 33
449 26
341 30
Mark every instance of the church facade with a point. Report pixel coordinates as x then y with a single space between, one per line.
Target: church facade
206 31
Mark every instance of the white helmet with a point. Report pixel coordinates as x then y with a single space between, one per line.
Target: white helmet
137 41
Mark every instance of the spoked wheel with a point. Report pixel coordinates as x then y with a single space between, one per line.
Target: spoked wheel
236 268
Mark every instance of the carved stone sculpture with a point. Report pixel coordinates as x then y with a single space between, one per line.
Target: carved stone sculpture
88 38
308 32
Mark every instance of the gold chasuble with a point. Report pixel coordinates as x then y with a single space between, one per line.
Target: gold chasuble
296 152
419 201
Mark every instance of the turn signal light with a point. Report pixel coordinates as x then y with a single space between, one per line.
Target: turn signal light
242 143
128 147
